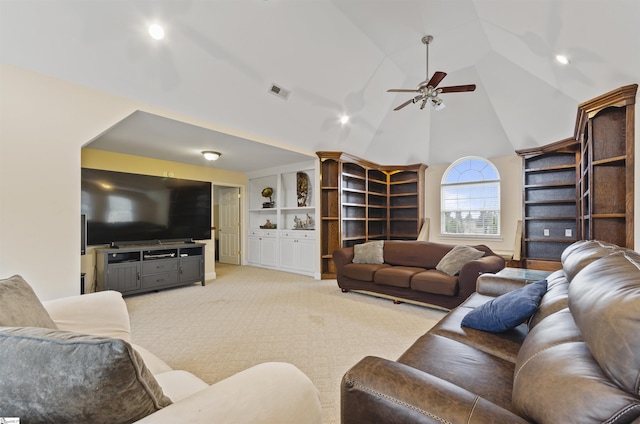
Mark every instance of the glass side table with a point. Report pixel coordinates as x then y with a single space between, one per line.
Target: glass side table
528 275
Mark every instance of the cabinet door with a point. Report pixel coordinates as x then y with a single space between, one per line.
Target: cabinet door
269 251
306 252
288 253
124 278
253 250
191 269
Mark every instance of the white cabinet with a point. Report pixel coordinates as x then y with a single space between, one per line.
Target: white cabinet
262 248
281 230
297 250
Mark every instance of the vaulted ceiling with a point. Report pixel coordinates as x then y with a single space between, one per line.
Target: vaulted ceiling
219 59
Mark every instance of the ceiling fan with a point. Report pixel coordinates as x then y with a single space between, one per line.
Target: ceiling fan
428 88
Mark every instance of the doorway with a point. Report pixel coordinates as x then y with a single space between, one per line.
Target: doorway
227 224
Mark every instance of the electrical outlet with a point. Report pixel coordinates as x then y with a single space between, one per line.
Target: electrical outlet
567 232
545 232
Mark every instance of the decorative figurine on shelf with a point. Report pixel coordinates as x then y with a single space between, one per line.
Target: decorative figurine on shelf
268 225
267 192
302 188
299 224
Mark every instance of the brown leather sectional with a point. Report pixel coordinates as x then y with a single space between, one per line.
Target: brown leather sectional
409 273
577 359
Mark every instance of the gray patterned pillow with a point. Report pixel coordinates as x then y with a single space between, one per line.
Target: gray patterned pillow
455 259
59 376
369 253
20 307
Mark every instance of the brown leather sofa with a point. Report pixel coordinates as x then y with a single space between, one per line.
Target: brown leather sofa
577 360
410 274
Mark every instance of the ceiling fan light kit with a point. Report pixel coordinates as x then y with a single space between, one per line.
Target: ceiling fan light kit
429 93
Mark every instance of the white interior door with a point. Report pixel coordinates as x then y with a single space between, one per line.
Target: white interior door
229 220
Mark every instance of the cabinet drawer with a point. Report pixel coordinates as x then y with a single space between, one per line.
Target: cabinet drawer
159 280
159 265
298 234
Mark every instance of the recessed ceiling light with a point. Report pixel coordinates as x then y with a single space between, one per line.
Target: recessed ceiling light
344 119
562 59
156 31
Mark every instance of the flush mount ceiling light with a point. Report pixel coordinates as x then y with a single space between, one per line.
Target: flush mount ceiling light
209 155
156 31
344 119
562 59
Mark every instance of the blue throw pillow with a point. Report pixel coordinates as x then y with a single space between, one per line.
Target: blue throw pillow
507 311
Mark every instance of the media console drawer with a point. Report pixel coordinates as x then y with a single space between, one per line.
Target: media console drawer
159 265
159 280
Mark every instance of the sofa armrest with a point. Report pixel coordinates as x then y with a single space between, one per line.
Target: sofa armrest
473 269
494 285
272 392
341 257
377 390
99 314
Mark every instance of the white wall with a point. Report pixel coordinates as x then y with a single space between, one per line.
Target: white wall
44 122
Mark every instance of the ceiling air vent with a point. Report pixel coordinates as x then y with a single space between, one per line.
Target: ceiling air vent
279 91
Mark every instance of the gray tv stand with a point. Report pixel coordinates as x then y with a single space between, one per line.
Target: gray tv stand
143 268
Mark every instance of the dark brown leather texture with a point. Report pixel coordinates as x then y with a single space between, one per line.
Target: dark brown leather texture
409 273
577 360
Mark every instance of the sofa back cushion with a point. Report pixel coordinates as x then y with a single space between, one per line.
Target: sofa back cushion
19 305
555 299
582 253
421 254
604 299
58 376
557 380
586 354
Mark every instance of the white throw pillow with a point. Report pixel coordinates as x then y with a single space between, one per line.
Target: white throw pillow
452 262
369 253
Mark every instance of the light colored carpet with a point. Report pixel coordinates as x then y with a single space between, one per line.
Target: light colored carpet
250 315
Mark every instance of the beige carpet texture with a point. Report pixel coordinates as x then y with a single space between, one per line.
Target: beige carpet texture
250 315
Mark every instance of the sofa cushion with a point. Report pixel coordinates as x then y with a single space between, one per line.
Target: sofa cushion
397 276
555 299
436 282
58 376
20 307
507 311
582 253
369 253
556 369
453 261
362 272
422 254
604 299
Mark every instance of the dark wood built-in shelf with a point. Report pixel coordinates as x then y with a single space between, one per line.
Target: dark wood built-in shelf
371 201
584 184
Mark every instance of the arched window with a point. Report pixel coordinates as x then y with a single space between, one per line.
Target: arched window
470 198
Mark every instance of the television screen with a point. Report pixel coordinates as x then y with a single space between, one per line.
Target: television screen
123 207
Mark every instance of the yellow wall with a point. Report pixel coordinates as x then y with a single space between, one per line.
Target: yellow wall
98 159
510 169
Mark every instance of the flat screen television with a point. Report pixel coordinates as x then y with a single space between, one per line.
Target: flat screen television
124 208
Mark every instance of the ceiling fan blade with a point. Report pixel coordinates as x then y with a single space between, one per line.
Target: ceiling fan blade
436 79
457 88
413 100
402 90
